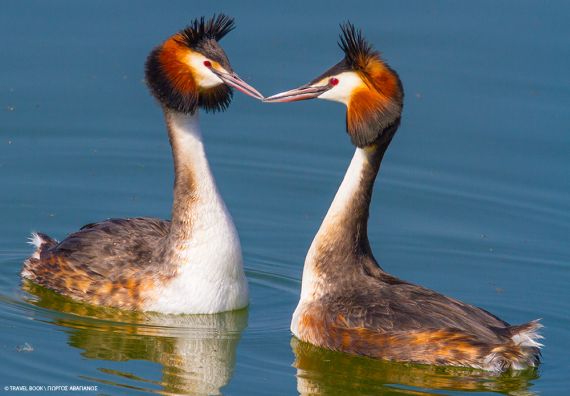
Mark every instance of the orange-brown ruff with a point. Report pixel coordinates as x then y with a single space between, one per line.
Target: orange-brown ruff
348 302
193 263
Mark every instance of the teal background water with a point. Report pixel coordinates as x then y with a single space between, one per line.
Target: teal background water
472 200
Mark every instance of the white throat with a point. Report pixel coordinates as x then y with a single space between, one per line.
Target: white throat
348 187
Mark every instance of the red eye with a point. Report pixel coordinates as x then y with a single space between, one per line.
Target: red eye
333 81
207 63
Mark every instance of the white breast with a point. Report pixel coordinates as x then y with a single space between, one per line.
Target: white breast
212 280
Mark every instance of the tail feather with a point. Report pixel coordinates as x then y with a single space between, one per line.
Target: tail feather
41 242
522 351
527 335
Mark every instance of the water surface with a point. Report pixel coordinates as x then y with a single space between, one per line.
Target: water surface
472 200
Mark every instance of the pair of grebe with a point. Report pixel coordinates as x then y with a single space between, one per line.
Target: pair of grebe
193 263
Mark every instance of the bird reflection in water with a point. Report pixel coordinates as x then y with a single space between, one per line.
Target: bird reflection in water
197 353
324 372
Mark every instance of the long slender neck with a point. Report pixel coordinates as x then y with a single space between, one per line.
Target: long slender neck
346 222
194 185
341 244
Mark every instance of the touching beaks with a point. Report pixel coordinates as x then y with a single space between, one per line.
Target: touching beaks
233 80
302 93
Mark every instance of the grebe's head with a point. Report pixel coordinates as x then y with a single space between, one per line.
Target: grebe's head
370 89
191 70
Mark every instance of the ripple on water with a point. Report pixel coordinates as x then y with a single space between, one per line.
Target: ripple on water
273 298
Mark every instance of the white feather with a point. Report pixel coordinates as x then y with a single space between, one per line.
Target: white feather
529 338
527 342
35 240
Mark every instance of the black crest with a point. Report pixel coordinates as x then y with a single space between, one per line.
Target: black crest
201 29
354 45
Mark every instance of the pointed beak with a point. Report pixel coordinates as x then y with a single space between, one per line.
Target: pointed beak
233 80
302 93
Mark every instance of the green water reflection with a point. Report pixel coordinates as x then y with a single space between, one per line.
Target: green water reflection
323 372
196 353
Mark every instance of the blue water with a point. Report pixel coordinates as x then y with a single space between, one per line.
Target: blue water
472 200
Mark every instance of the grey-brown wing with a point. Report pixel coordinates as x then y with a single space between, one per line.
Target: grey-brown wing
388 304
115 246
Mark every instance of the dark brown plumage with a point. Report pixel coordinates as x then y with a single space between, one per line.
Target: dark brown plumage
117 262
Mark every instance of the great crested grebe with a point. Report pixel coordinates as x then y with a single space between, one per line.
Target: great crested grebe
193 263
348 302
